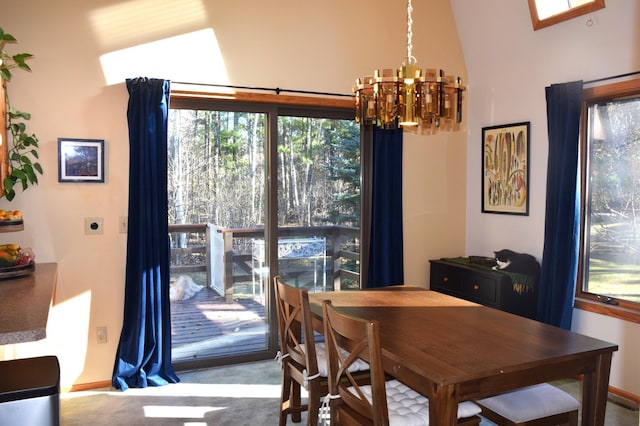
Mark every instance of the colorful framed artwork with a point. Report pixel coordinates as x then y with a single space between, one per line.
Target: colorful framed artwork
80 160
505 169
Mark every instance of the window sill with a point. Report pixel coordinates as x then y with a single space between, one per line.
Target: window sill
620 312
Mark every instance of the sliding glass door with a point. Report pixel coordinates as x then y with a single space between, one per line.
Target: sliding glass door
318 203
255 190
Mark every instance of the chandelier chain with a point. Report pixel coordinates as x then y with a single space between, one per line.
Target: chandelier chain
410 58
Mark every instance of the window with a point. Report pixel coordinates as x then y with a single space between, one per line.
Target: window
609 269
550 12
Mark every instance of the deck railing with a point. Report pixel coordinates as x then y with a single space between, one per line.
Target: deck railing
225 255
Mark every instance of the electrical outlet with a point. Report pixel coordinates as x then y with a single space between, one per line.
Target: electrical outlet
101 334
93 226
123 224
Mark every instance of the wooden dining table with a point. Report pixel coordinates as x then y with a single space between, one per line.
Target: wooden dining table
452 350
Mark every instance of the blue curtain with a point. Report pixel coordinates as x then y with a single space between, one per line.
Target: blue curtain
386 247
562 218
144 350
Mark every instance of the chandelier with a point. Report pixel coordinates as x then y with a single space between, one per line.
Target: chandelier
410 96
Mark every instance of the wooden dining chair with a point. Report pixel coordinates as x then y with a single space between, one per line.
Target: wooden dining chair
383 402
538 405
304 362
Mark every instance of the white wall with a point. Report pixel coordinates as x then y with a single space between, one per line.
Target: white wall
509 66
435 166
304 45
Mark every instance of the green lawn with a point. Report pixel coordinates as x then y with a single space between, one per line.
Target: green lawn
621 281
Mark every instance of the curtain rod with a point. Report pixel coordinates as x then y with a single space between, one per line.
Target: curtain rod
597 80
278 90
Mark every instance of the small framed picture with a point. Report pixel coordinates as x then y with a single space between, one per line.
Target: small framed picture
505 169
80 160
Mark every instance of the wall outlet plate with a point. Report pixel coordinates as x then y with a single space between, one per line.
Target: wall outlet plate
101 334
93 226
123 224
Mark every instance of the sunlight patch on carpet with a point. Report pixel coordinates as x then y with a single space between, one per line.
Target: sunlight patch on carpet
192 390
178 412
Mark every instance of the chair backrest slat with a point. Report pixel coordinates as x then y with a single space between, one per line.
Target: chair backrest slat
294 320
360 338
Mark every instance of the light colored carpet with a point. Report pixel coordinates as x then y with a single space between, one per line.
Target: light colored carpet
246 394
241 395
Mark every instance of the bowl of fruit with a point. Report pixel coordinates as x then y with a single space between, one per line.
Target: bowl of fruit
16 261
11 220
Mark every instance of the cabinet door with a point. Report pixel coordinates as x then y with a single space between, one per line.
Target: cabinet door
480 288
524 304
445 278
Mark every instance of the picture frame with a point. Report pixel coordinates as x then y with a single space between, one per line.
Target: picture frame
505 169
80 160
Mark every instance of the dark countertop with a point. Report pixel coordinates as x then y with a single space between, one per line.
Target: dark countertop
24 304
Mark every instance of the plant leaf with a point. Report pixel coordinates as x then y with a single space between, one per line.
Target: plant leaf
21 57
8 183
8 37
19 174
18 128
8 188
19 114
28 170
23 168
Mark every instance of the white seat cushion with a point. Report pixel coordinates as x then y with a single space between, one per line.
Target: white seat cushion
408 408
533 402
321 356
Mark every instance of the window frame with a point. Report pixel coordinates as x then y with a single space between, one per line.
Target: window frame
625 310
572 12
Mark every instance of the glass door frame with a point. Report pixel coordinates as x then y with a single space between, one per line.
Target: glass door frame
271 339
273 106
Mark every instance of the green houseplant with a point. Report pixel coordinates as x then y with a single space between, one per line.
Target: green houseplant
19 158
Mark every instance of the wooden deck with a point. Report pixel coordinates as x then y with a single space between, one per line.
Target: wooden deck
204 326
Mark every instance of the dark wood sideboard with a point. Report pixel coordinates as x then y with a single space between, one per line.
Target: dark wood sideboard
483 285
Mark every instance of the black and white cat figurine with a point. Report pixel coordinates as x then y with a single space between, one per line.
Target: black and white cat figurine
520 263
